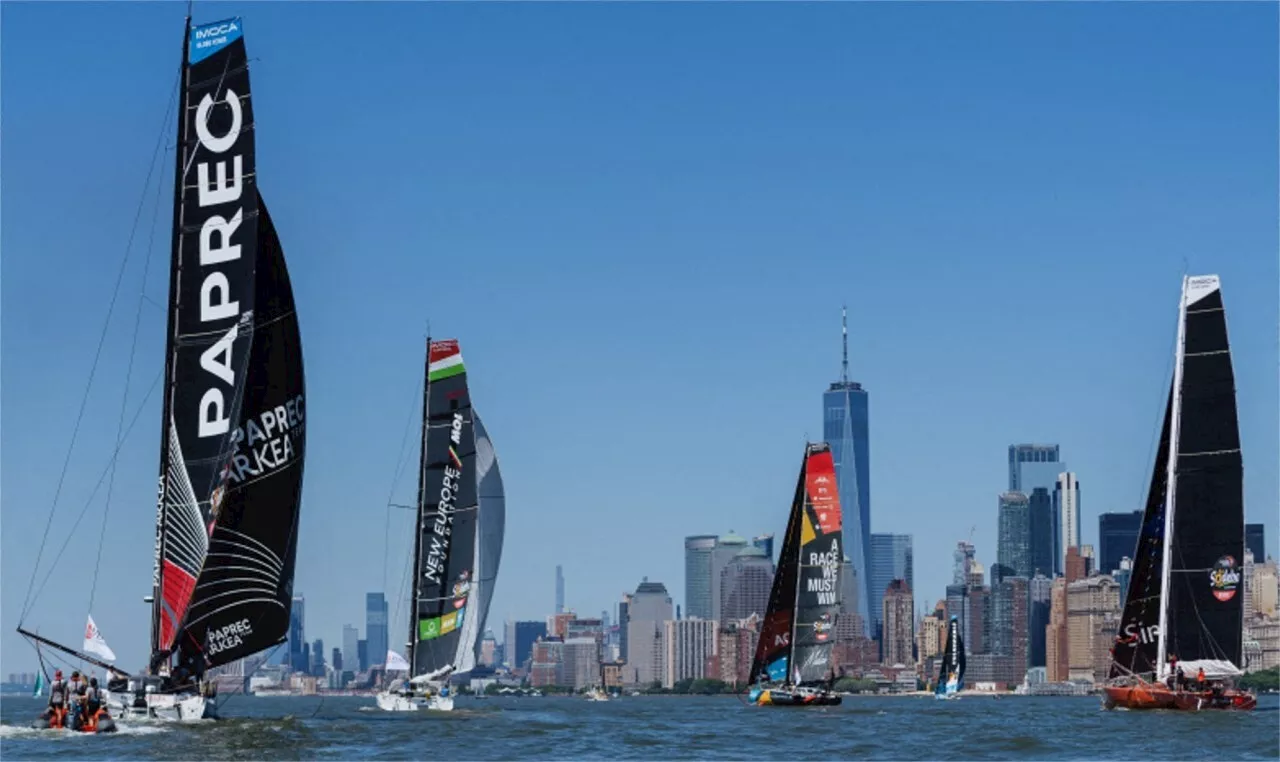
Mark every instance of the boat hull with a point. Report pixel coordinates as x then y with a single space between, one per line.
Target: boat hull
396 702
163 707
102 723
1149 696
778 697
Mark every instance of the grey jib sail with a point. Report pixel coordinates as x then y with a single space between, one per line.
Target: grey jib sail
445 544
233 432
491 520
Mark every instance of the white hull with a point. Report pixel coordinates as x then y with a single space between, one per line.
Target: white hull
163 707
395 702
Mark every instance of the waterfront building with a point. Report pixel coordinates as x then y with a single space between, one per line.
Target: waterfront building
891 558
547 663
898 618
1093 618
350 648
745 584
765 543
698 553
1066 509
689 643
524 635
649 608
624 616
296 648
580 666
1117 538
846 429
1255 540
559 589
1040 589
726 549
1041 530
1013 546
1057 646
375 628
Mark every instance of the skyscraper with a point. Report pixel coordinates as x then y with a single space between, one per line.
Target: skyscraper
1041 590
846 428
745 584
897 614
963 560
525 635
1041 531
297 645
1255 540
1117 538
1066 509
699 550
1033 465
559 589
650 607
375 628
765 543
350 647
727 548
891 558
1013 543
624 617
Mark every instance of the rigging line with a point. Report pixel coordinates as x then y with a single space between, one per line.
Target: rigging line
53 567
395 479
124 396
97 355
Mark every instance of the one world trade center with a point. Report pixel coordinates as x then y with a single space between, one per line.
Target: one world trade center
845 428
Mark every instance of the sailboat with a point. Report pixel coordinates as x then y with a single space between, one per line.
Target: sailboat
792 664
233 430
951 672
1183 613
461 514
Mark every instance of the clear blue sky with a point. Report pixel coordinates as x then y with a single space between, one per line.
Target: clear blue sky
641 221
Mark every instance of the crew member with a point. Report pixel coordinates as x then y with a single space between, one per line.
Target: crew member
57 700
1200 678
93 703
75 693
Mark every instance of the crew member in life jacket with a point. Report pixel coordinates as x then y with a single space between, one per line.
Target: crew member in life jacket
57 700
75 695
92 704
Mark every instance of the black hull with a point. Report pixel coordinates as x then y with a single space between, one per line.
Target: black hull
775 697
105 724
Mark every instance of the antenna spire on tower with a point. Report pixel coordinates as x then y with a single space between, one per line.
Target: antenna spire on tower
844 333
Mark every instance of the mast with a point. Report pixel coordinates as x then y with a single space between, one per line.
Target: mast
844 334
795 602
422 504
1175 422
171 332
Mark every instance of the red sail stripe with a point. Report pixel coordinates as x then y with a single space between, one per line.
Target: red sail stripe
176 586
441 350
820 483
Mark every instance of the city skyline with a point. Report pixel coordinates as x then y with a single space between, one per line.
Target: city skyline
588 217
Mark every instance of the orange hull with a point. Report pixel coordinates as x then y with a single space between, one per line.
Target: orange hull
1155 696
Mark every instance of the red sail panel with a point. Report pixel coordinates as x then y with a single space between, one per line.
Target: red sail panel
176 586
443 349
820 482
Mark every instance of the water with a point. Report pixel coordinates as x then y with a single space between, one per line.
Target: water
668 727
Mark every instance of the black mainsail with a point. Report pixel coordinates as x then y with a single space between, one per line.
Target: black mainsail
797 635
444 561
233 423
951 670
1190 605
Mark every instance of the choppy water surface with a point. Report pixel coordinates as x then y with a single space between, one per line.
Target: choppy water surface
677 727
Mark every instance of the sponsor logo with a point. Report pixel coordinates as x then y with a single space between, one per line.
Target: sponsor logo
442 528
155 569
448 622
227 636
461 588
822 628
1133 633
207 40
1224 578
429 629
265 442
219 250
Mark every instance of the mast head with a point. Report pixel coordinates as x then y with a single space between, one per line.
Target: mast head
844 337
